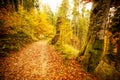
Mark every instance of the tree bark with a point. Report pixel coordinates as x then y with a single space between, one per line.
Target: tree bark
95 41
109 66
57 36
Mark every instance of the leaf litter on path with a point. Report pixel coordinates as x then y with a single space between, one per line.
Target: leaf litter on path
40 61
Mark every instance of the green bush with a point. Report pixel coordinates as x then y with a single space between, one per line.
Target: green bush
68 51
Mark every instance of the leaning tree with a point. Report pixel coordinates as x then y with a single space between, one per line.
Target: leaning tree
93 58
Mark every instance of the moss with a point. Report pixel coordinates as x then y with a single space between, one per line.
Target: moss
94 60
93 55
105 71
98 45
87 55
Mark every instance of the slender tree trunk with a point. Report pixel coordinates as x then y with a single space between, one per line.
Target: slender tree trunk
16 5
94 48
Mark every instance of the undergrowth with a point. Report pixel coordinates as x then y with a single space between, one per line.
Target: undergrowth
22 27
12 42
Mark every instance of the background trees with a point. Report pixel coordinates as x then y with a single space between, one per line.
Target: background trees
22 26
63 10
80 21
27 4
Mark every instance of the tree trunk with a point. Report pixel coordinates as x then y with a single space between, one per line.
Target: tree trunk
57 36
16 5
95 41
109 66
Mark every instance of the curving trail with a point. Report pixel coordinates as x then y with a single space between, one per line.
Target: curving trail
39 61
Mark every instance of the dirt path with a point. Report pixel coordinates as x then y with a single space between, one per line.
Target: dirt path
39 61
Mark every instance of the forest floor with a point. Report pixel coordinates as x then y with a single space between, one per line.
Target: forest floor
40 61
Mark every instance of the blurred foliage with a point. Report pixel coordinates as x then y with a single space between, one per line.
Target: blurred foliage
65 32
66 39
83 30
80 23
71 32
18 28
50 15
23 26
63 9
70 52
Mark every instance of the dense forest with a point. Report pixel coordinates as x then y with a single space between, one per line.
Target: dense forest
84 42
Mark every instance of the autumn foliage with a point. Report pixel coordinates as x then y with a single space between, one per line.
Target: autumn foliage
17 28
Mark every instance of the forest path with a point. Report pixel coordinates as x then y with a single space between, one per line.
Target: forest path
39 61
